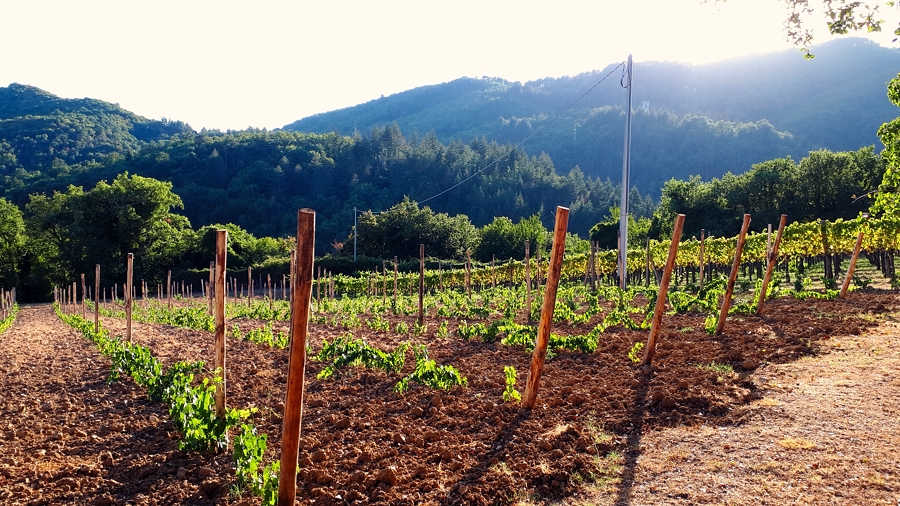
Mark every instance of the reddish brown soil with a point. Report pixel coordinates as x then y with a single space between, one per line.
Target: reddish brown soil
68 437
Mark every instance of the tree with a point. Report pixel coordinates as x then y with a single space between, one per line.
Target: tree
887 199
842 18
399 231
507 240
12 241
79 229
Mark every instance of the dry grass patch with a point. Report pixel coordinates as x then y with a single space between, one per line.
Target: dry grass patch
796 443
768 402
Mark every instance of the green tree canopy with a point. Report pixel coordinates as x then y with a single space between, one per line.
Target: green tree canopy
399 231
887 200
79 229
507 240
12 242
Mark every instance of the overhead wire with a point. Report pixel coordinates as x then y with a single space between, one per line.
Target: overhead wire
523 141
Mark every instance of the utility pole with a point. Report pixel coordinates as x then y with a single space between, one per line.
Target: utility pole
626 170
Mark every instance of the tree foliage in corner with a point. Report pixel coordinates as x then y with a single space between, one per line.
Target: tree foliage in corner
887 200
842 17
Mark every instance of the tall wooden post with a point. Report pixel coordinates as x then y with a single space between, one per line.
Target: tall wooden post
702 259
528 280
770 265
395 284
169 289
493 271
293 402
219 290
735 268
543 336
648 263
469 273
383 283
421 284
650 349
852 267
97 299
249 286
210 290
593 266
826 250
129 269
83 298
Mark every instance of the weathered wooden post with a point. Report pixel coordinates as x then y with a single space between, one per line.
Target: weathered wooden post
852 267
96 299
650 350
83 297
421 284
469 273
293 402
169 289
219 358
128 300
732 277
211 290
702 264
249 287
770 266
528 279
395 285
553 273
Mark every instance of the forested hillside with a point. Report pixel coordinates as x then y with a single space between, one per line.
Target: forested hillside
701 120
41 135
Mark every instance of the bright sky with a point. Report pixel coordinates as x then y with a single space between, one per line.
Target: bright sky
226 64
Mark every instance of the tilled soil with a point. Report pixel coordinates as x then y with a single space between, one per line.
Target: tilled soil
364 444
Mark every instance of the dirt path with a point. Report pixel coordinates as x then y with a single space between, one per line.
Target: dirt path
68 437
827 431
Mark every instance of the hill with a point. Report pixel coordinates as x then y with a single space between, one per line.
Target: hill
43 135
699 119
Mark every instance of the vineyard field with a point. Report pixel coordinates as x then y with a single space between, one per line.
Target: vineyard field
72 438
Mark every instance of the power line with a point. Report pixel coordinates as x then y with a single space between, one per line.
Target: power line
517 146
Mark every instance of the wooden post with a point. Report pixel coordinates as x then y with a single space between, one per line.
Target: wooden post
852 267
469 273
249 286
702 264
493 271
648 263
129 268
650 349
74 297
826 255
83 298
528 280
735 268
441 274
219 358
421 284
96 299
593 266
211 289
169 289
293 402
383 283
770 265
395 285
543 336
540 274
